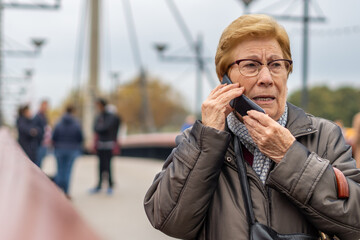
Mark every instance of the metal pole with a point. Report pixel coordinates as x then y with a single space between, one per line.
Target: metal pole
199 72
197 48
146 113
77 74
1 63
94 47
92 87
304 96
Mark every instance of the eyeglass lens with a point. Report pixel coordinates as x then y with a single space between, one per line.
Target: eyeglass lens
252 68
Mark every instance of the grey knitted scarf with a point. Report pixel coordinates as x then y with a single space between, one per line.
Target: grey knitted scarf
261 164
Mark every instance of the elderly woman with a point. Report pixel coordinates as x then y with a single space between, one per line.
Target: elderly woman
301 175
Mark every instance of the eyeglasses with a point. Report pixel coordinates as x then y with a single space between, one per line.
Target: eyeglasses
251 67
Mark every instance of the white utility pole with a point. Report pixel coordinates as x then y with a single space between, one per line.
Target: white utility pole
91 90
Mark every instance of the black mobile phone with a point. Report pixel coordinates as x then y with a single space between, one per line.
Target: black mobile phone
241 104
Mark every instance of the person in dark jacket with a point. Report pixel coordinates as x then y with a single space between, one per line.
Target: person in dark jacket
106 129
27 132
41 122
67 140
301 175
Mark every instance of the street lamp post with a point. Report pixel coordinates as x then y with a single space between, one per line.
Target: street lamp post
14 88
37 44
198 59
115 80
16 5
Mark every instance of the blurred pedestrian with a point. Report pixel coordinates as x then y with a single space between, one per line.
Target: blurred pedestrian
27 132
356 140
189 121
106 128
44 135
117 123
67 139
340 123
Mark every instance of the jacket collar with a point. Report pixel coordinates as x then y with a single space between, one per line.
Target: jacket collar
299 123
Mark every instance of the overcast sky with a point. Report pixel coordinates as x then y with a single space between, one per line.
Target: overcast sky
333 56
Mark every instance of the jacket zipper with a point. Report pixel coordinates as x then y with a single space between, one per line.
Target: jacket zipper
269 206
268 192
265 192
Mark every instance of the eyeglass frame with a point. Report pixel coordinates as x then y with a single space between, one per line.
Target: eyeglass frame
237 62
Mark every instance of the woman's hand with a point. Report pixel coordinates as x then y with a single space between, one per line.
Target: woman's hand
215 108
272 139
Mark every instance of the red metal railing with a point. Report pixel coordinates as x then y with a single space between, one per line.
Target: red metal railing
31 205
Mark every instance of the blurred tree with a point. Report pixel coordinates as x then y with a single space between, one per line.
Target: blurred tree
73 98
338 104
165 103
54 115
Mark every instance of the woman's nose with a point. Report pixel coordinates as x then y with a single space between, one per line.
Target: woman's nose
264 77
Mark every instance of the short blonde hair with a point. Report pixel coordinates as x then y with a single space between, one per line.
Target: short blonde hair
249 27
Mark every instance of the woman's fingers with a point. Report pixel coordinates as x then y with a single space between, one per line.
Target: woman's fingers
262 118
220 89
271 138
216 107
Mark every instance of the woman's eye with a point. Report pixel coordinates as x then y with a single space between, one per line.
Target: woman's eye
250 65
275 65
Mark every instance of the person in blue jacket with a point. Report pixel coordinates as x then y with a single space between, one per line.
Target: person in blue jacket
67 140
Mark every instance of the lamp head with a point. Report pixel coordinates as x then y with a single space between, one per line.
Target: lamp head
160 47
38 42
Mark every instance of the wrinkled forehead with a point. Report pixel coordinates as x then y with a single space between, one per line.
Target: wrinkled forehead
258 49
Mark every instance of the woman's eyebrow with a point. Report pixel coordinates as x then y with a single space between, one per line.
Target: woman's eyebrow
274 57
255 57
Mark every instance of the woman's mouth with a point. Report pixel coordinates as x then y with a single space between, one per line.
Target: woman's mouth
264 99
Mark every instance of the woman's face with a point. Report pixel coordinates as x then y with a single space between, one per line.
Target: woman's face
267 90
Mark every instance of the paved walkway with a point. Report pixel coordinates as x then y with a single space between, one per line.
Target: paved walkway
120 216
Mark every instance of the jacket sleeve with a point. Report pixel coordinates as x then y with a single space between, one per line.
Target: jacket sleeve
307 177
40 124
178 200
55 134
